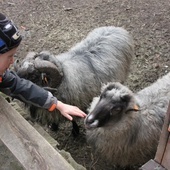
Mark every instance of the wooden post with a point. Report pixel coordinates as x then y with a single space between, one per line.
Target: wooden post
152 165
26 144
163 151
162 157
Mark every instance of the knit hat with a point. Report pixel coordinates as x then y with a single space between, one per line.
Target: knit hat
9 35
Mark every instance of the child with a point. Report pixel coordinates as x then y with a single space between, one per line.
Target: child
23 89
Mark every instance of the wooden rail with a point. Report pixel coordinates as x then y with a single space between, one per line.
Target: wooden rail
26 144
162 157
163 150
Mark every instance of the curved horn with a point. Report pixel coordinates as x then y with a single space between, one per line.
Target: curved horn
54 73
22 66
29 57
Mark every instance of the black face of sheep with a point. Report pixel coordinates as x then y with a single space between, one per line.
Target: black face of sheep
111 106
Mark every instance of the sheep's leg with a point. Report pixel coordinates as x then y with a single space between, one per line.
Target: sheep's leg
75 130
53 126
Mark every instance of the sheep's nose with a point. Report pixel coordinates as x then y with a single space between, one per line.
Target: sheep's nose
89 119
91 122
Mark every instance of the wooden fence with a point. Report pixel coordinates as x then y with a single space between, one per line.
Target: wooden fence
162 157
26 144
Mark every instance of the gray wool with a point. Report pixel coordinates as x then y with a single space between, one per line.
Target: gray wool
132 139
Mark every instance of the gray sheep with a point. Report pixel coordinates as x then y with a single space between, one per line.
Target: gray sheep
75 77
125 127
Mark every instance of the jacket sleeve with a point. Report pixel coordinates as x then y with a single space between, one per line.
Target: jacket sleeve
26 91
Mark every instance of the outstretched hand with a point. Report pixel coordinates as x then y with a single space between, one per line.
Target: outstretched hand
68 111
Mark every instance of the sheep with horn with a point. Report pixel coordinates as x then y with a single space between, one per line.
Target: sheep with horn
76 76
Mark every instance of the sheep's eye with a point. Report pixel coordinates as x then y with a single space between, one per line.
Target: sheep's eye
116 109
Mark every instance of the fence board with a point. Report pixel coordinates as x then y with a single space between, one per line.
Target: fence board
166 157
162 157
27 145
163 138
151 165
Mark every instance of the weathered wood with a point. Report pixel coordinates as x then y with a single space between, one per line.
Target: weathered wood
152 165
27 145
163 149
166 157
162 157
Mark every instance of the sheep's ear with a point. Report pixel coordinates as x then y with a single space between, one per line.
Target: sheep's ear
130 103
132 107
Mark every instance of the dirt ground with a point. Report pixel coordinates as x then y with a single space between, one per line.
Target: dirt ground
58 25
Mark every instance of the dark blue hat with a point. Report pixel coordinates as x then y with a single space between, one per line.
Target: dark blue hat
9 35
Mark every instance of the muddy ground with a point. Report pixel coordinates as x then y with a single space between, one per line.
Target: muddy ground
58 25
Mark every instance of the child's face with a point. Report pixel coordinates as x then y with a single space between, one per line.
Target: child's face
6 60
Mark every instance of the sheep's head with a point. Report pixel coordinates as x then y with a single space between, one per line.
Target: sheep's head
43 69
115 101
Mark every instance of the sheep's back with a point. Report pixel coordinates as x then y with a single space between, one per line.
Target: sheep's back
155 98
108 51
103 56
